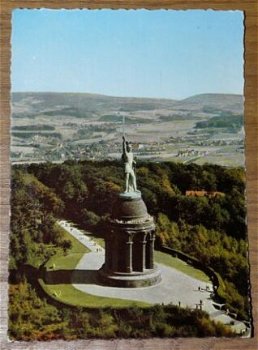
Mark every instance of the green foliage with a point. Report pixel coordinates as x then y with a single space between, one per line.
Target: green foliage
32 318
33 127
223 253
222 121
93 186
211 229
167 232
34 236
89 218
166 321
27 134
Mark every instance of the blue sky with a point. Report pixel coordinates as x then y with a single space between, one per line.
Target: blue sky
171 54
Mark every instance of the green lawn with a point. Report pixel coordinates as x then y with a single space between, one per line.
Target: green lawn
180 265
67 294
64 262
73 256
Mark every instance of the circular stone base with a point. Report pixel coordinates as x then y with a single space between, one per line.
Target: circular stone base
130 280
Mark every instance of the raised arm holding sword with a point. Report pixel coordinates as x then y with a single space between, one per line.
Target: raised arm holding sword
129 162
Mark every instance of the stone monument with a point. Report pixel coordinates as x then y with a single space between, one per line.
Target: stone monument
129 241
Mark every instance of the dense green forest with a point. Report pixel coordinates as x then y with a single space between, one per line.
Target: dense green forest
209 228
27 134
34 236
32 318
33 127
225 120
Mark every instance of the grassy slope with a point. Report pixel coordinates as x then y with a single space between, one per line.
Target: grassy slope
180 265
76 252
77 247
67 294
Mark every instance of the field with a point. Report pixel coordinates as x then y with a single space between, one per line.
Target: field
57 126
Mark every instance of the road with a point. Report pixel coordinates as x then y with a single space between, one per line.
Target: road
175 286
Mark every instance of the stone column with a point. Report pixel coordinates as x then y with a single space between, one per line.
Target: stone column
128 262
143 264
152 240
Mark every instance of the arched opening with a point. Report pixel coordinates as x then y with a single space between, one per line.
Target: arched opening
149 250
139 252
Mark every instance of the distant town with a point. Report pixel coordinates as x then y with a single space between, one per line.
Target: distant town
55 127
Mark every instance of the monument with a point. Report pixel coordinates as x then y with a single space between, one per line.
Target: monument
129 241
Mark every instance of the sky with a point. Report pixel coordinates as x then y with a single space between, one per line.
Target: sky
140 53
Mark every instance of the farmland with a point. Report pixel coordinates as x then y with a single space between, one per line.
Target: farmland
60 126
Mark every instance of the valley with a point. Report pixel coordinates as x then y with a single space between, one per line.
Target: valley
60 126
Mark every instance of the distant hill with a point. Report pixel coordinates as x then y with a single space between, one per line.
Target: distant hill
85 105
213 103
81 105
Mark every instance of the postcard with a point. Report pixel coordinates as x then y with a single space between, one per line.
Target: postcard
128 184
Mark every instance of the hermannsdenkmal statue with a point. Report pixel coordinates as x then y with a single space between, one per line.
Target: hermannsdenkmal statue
129 163
130 236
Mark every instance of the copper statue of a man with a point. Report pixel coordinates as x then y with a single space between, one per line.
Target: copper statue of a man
129 162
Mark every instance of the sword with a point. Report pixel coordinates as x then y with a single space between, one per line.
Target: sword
123 125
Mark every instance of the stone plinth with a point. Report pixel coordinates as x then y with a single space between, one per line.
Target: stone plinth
130 245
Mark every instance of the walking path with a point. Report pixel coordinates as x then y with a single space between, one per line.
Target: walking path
175 286
81 236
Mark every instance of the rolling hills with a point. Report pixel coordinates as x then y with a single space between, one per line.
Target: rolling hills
49 126
85 105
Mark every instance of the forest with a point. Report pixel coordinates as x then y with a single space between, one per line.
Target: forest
231 121
211 228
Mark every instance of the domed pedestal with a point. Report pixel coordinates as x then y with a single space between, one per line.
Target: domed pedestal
130 245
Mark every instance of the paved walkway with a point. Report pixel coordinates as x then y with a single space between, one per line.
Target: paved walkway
175 286
81 236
